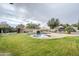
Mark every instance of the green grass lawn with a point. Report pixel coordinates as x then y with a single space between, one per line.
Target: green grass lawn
24 45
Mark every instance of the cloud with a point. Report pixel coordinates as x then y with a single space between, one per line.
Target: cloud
38 13
8 7
15 21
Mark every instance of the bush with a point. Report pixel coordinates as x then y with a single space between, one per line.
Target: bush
69 29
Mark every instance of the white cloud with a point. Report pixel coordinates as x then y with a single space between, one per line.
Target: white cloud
39 13
33 20
8 7
12 20
22 10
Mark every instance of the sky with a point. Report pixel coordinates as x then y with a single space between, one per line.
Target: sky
39 13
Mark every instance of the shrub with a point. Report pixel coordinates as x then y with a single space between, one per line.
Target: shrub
69 29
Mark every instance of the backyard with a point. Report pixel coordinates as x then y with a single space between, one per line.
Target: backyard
24 45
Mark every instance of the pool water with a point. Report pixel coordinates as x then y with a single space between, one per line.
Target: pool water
40 35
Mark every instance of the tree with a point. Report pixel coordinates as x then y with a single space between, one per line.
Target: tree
74 25
20 26
65 25
57 22
32 26
53 23
12 29
4 27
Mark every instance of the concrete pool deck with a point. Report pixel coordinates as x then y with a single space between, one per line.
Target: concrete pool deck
56 35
